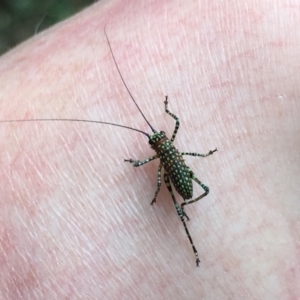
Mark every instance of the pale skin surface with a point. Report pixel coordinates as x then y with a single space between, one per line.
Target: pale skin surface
76 222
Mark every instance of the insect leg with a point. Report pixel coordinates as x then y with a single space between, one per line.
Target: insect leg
205 188
158 184
177 124
181 215
137 163
198 154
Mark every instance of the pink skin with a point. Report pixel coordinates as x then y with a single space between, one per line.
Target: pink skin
76 222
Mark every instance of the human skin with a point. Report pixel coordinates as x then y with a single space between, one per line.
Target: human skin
76 222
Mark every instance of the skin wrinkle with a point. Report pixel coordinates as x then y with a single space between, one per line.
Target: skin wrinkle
78 219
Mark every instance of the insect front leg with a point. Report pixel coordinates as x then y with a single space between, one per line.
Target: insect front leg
198 154
137 163
158 183
205 188
181 215
177 124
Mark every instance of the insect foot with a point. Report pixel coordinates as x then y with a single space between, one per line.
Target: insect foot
166 101
135 163
212 151
129 160
153 201
183 212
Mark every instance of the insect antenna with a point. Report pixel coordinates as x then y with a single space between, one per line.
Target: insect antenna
76 120
93 121
113 56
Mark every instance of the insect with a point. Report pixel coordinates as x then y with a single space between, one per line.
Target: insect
171 160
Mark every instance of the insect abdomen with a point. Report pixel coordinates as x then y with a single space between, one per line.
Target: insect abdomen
176 168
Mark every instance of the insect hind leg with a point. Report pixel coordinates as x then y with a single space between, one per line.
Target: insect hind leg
177 124
181 215
205 188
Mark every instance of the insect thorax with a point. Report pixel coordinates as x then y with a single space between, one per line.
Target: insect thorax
173 163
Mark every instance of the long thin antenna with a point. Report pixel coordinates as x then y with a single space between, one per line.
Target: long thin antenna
112 54
76 120
92 121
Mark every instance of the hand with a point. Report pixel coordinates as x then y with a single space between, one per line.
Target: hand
76 222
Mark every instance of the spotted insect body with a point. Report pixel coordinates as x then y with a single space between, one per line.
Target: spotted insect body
175 166
176 171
